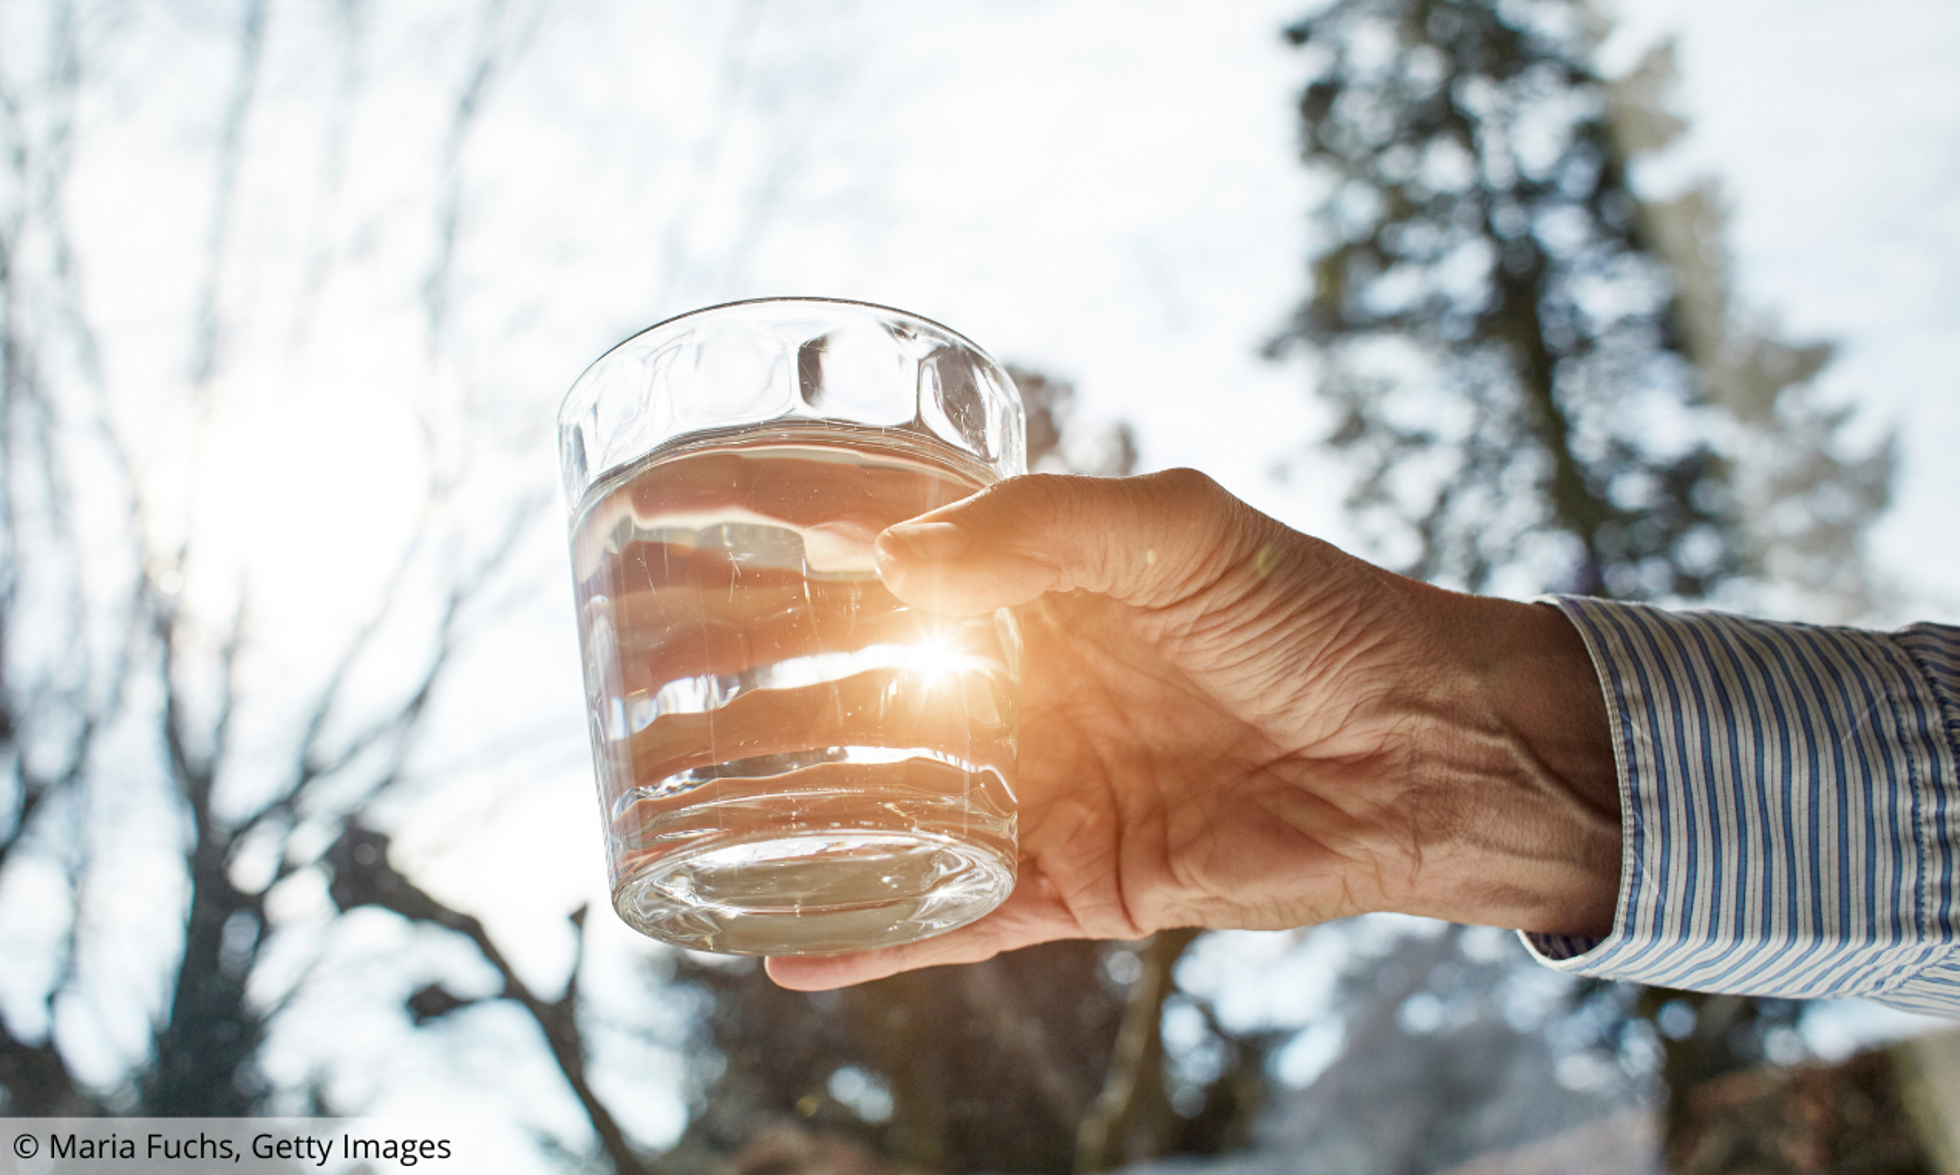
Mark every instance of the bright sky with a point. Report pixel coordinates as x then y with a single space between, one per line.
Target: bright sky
1108 191
1835 128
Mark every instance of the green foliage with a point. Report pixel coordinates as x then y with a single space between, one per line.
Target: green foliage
1543 384
1538 376
1497 334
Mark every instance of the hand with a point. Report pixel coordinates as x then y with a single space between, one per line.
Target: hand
1226 723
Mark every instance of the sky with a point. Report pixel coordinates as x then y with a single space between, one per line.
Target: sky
1104 190
1834 127
1109 192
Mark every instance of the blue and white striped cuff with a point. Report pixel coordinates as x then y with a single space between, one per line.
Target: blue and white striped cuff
1791 807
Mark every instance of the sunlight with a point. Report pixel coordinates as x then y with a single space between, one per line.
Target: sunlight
938 659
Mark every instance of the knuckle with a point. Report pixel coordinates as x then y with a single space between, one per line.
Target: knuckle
1185 483
1193 499
1194 503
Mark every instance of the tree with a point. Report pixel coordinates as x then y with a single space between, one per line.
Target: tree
247 791
154 710
151 711
1449 1050
1538 372
127 635
64 651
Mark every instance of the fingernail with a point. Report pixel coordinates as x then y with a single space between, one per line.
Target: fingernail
932 541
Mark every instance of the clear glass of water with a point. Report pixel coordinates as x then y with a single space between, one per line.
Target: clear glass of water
790 760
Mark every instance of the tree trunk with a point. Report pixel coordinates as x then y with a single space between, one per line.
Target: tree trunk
203 1062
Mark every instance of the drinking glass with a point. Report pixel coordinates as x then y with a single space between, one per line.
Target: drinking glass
790 760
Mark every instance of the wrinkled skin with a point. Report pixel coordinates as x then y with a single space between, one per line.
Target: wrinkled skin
1226 723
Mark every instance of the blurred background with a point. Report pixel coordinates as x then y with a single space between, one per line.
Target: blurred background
1659 301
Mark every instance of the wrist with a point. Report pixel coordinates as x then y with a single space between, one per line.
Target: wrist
1532 838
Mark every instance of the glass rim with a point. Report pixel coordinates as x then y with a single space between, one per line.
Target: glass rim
773 299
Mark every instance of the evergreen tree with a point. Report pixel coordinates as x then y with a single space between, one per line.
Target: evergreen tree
1540 378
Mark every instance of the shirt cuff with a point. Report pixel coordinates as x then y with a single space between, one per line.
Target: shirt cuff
1790 800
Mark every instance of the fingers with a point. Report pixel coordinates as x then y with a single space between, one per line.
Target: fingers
1147 541
1031 914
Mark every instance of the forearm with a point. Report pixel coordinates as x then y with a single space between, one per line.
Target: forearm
1516 804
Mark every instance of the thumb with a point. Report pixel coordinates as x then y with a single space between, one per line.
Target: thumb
1148 541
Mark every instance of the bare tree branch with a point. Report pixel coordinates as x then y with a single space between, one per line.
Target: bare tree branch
496 48
67 671
352 22
208 339
363 876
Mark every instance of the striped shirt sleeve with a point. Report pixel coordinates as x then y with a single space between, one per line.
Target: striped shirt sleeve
1790 801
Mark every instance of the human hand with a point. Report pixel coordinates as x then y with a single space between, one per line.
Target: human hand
1226 723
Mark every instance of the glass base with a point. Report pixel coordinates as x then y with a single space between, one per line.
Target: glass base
814 892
